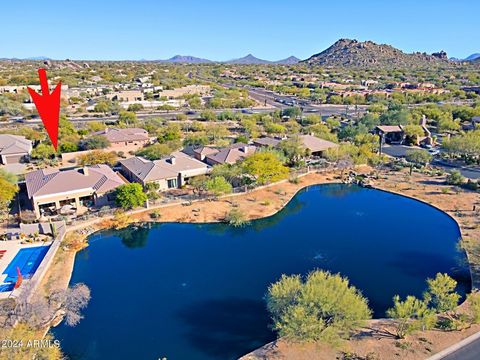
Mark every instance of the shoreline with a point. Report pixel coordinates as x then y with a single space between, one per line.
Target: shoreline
283 192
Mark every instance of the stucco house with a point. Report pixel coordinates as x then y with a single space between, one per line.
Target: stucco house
51 190
14 149
315 145
169 173
129 139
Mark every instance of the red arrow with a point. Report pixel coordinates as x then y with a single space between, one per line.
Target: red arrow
48 106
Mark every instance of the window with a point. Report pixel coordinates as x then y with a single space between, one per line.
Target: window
172 183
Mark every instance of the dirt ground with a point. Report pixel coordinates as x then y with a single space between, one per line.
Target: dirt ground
373 342
267 201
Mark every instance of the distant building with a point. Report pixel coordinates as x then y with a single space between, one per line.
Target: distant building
186 90
126 96
169 173
50 190
129 139
315 145
227 155
395 134
267 141
390 134
14 149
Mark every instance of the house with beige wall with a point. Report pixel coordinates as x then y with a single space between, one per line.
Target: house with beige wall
171 172
126 140
51 190
14 149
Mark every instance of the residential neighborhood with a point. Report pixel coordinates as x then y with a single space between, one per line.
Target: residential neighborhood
174 185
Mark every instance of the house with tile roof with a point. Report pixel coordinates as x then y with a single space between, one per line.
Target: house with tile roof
14 149
126 140
51 190
315 145
227 155
169 173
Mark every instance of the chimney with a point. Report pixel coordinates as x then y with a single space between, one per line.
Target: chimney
172 160
85 171
244 149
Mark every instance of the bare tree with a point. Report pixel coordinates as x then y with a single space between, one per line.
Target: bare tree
344 164
40 311
71 302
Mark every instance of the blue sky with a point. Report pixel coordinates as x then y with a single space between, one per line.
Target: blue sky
221 30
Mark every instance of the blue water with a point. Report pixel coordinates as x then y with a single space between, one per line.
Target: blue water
196 292
27 260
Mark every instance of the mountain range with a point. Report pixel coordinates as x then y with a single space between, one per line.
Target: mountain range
343 53
246 60
473 57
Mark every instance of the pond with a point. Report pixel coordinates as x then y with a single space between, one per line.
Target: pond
187 291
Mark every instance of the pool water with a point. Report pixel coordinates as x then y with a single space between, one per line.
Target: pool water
196 292
27 260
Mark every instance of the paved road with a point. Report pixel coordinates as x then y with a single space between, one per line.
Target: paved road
280 101
467 352
472 172
400 151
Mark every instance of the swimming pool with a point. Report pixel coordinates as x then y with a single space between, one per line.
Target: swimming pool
27 260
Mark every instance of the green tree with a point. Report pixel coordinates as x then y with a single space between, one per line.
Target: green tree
8 189
266 167
410 315
43 151
169 133
217 132
236 218
129 196
155 151
127 117
473 300
455 177
218 186
135 107
195 102
97 157
208 115
68 146
294 150
95 142
102 107
251 127
418 157
94 126
323 307
466 146
413 133
441 293
292 112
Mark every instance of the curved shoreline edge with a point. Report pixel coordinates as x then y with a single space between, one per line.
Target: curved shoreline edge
296 188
